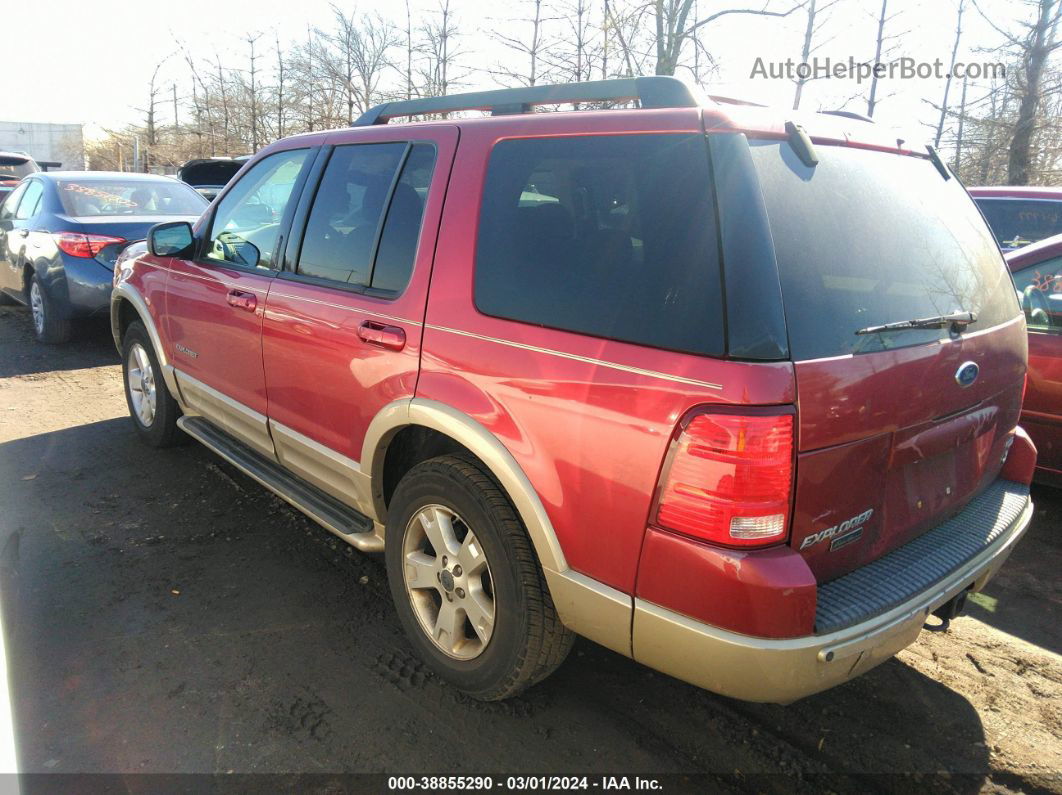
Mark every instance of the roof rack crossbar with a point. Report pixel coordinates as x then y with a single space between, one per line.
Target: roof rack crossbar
650 92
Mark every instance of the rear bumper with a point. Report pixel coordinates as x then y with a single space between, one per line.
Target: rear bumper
784 670
88 286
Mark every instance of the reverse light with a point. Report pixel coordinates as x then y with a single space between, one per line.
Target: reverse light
77 244
729 479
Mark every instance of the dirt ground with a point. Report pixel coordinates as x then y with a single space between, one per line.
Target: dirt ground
163 613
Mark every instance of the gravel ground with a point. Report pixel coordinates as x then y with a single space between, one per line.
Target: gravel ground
163 613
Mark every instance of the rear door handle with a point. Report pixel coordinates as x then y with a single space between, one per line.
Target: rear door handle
390 337
242 300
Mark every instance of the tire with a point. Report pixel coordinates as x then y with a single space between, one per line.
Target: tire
152 409
525 640
50 326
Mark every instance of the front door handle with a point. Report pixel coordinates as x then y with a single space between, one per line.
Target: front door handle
390 337
242 300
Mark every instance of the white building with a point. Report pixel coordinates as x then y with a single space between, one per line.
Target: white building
56 143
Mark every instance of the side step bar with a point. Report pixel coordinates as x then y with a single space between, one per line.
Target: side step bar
353 527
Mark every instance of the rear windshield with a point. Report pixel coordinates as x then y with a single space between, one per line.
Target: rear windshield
612 236
1019 222
868 238
16 167
84 199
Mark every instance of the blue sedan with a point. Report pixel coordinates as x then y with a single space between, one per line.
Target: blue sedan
61 232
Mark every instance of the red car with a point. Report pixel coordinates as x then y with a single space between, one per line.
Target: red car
1020 215
1037 273
669 377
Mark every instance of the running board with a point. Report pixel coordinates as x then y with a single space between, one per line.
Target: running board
353 527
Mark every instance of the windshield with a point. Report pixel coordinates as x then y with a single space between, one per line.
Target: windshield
84 199
1019 222
16 168
868 238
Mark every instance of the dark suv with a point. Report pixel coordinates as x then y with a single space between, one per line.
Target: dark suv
731 392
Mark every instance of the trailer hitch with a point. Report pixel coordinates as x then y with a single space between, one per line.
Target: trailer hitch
953 608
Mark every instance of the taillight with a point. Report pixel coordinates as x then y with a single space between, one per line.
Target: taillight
78 245
729 479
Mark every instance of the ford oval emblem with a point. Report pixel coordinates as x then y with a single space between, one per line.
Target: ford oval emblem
967 374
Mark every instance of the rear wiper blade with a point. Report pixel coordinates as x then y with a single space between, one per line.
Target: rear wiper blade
958 320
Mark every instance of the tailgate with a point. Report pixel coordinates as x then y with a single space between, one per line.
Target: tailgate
898 427
902 447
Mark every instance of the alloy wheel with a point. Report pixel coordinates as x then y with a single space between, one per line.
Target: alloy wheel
37 307
448 582
140 377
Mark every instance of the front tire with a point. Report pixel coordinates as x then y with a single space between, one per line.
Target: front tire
151 406
466 583
49 324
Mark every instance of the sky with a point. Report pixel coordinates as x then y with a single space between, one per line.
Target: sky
91 61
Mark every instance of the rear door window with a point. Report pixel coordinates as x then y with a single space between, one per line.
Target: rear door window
611 236
365 221
867 238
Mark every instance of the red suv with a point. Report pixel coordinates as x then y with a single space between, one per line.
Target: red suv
731 395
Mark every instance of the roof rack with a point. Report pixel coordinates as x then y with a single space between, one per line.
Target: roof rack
651 92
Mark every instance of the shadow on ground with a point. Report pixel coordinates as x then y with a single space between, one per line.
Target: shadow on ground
1025 598
20 354
165 613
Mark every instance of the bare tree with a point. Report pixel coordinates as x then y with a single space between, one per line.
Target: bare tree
409 52
252 88
1032 48
574 56
357 56
948 78
872 100
962 124
280 87
530 44
816 18
675 26
438 69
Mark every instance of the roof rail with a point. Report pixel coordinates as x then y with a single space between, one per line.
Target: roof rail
848 114
651 92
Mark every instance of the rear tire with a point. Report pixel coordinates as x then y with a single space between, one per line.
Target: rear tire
478 610
152 408
50 326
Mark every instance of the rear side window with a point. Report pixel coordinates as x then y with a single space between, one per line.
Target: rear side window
612 236
364 225
31 201
867 238
1019 222
7 208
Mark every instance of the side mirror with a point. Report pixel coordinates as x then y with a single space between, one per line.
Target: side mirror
173 239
